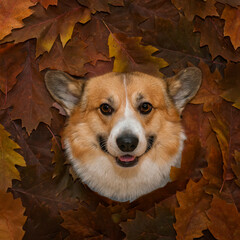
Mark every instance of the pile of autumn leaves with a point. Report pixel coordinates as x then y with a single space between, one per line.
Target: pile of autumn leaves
40 198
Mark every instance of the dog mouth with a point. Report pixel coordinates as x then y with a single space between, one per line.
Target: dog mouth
126 160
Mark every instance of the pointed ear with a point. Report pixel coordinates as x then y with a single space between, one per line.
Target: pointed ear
65 89
183 86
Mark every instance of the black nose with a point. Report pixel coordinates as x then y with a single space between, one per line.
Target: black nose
127 142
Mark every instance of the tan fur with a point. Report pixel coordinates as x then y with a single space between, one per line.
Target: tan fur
99 169
86 121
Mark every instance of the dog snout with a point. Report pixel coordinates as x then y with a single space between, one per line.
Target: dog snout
127 142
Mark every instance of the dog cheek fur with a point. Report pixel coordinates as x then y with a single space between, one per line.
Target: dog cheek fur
100 172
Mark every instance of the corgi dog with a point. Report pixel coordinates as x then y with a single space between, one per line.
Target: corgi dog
124 130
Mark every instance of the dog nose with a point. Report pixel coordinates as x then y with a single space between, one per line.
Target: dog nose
127 143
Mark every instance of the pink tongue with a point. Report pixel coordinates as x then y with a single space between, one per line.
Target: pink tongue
126 158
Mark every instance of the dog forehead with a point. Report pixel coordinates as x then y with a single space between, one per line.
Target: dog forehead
115 84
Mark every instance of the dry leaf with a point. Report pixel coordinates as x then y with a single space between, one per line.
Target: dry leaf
11 217
47 25
11 14
8 159
191 218
224 220
130 55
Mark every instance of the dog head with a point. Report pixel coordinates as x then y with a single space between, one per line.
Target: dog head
124 130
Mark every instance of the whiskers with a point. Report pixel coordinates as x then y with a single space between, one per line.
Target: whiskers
150 143
103 143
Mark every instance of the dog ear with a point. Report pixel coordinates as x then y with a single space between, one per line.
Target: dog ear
183 86
65 89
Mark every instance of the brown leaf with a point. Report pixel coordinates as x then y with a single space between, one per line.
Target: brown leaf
42 224
70 59
232 24
12 58
86 224
95 34
233 3
33 101
130 55
176 42
224 220
195 7
99 69
191 218
236 167
59 158
192 157
100 6
214 171
8 159
11 217
47 25
226 125
45 3
145 226
84 47
209 92
211 30
11 14
231 84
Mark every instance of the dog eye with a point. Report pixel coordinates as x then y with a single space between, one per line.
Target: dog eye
145 108
106 109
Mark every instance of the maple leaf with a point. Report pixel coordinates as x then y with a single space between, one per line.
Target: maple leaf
9 158
45 3
43 224
211 30
58 158
213 172
127 19
236 167
11 217
209 92
145 226
191 218
65 60
232 24
231 84
95 34
191 157
101 6
86 224
84 47
34 101
130 55
176 42
11 14
12 58
47 25
100 68
226 126
195 7
224 220
233 3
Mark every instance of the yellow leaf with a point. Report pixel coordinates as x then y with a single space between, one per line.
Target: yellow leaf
8 159
130 55
46 25
11 217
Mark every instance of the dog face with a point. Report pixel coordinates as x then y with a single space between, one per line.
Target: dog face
124 130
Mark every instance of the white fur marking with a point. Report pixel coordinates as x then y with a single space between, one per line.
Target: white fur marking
100 176
128 123
127 112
